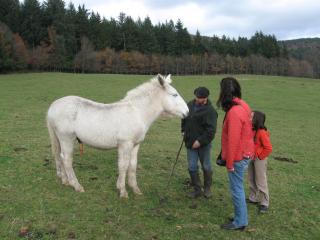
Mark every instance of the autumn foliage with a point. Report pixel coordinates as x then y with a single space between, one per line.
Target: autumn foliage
51 37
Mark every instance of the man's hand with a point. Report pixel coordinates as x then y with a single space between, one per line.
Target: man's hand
230 169
196 144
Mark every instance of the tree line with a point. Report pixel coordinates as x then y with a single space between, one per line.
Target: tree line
54 37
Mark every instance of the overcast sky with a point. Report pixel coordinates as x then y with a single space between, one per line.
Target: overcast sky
286 19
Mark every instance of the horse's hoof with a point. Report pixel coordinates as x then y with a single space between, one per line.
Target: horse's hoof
79 189
124 195
65 182
137 191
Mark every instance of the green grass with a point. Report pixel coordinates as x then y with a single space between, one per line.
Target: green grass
31 195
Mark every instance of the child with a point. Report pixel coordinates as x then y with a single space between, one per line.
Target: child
257 171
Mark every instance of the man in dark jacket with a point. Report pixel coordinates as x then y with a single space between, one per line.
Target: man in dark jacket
198 130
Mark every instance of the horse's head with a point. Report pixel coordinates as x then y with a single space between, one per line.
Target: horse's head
172 102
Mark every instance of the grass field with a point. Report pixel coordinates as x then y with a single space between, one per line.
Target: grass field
32 198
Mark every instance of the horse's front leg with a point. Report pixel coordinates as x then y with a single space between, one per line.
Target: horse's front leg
132 171
124 154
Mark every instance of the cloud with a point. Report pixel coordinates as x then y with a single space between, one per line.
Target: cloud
284 18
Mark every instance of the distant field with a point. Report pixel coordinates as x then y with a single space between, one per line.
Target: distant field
32 197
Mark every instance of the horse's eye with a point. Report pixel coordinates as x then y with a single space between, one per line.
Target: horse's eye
175 95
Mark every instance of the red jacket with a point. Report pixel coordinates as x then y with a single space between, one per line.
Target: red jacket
237 135
262 144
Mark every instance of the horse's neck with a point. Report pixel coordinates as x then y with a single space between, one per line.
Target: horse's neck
150 110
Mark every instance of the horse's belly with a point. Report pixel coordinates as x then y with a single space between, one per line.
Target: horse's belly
100 145
98 138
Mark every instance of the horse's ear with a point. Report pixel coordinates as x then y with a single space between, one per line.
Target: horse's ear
160 79
168 79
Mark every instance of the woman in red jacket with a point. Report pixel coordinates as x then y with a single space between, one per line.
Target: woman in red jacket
257 171
237 146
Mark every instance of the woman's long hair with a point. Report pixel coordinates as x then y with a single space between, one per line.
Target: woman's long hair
229 88
258 120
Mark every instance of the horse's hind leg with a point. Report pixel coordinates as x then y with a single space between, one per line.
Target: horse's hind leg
61 173
132 171
66 157
124 154
56 150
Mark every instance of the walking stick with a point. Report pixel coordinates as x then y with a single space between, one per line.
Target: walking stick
177 157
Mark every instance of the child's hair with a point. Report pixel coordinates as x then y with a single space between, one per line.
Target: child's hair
258 120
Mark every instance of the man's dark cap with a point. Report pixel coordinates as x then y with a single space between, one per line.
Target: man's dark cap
201 92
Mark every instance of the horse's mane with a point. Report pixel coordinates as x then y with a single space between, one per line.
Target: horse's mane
145 89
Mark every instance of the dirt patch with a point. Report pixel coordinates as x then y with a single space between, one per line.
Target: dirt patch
156 212
285 159
71 235
46 162
20 149
163 200
193 206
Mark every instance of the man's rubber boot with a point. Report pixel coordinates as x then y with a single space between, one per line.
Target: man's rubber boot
207 175
195 179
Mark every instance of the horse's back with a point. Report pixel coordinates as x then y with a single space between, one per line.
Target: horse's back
63 105
63 111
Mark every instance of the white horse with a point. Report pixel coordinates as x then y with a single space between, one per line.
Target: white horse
121 125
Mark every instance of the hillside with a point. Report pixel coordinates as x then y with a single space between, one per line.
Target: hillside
305 49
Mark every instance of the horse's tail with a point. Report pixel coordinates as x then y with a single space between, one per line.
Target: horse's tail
55 144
